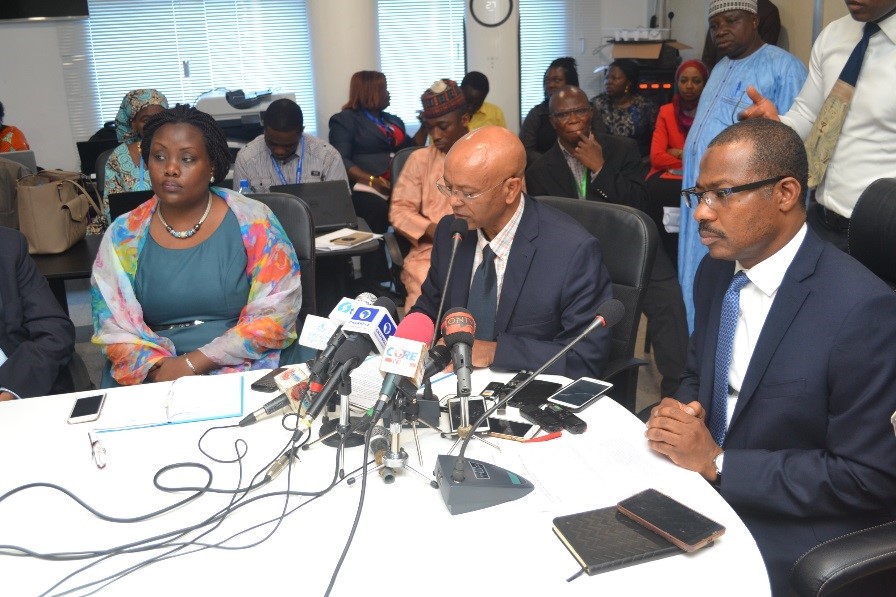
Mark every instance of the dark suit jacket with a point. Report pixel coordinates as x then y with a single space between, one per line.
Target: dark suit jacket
621 180
554 281
810 453
361 143
36 335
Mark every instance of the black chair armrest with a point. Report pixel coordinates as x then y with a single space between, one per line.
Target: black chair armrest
841 561
617 366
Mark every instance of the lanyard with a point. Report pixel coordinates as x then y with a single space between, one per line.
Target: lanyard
381 124
583 186
298 165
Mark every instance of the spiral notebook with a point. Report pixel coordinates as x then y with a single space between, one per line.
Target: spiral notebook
604 539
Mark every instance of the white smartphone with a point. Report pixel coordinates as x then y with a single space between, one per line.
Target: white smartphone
476 407
87 408
515 430
580 393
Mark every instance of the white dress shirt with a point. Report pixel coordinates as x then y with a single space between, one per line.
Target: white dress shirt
500 245
866 149
756 300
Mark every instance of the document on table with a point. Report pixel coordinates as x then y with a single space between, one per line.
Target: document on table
186 400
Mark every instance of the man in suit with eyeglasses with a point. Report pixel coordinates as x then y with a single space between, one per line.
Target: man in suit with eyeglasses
531 275
786 399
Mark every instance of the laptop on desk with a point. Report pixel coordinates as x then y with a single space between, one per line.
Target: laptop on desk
330 202
122 203
25 158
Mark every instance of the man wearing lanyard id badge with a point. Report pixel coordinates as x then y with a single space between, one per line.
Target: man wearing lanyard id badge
600 167
284 154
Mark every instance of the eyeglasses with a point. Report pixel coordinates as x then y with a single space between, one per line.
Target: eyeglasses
692 197
567 114
450 192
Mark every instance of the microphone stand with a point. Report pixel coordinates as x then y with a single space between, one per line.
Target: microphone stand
491 485
457 238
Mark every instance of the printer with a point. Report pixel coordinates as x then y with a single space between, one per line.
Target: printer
239 114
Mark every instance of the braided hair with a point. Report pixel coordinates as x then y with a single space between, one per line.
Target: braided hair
215 140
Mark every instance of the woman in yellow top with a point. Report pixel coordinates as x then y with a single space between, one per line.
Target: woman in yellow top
11 138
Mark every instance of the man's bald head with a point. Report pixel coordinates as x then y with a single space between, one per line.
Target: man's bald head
493 148
487 165
566 94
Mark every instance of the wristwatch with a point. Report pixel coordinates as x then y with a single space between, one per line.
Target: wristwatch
718 462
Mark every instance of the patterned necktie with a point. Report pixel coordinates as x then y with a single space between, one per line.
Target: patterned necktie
822 139
718 419
483 301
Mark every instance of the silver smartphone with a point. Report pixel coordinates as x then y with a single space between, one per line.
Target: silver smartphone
87 408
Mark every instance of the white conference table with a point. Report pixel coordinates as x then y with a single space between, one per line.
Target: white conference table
407 542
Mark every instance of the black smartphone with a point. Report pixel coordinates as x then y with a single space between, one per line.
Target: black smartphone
544 419
534 394
491 388
686 528
476 408
87 408
266 383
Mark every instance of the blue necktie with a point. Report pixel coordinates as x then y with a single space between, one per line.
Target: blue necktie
483 301
850 72
718 418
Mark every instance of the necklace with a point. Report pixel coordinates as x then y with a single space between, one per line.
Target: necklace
191 231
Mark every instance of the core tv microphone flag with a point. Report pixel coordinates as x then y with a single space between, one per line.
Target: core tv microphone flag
468 484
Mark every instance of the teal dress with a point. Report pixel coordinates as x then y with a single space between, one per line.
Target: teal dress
207 283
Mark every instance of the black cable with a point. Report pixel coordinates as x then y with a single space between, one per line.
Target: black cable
351 534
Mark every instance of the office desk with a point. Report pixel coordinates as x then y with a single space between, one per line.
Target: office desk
406 543
74 264
335 271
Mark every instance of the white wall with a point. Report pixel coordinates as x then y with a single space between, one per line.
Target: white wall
344 41
32 92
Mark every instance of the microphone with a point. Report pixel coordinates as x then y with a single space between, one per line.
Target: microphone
459 329
403 359
489 485
341 313
380 443
459 229
372 326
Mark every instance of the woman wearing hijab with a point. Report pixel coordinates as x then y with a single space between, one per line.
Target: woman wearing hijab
126 170
672 126
623 110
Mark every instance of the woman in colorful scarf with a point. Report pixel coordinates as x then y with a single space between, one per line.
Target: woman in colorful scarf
622 110
198 279
672 126
125 169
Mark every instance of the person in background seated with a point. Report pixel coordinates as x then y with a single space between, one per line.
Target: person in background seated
622 110
11 138
600 167
125 170
198 279
786 399
37 339
531 276
672 126
482 113
537 133
283 154
417 206
366 136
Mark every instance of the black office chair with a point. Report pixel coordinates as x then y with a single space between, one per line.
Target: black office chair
101 170
861 563
295 216
397 246
629 239
872 229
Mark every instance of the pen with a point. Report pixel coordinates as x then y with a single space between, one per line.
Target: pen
97 451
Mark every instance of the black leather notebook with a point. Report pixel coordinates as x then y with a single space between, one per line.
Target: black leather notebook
605 539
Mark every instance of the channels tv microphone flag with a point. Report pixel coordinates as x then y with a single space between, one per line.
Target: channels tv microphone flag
459 229
467 484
